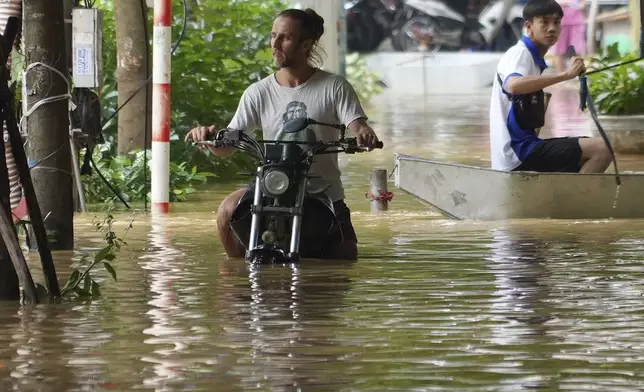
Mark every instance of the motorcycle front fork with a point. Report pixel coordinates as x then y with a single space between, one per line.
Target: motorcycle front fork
297 218
296 226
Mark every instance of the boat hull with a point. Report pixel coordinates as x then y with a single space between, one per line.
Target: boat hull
477 193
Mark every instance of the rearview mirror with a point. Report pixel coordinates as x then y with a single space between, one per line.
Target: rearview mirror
295 125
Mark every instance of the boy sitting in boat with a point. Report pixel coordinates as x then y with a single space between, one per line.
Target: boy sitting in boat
517 107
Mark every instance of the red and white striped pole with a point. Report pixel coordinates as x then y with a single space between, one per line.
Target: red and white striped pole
161 106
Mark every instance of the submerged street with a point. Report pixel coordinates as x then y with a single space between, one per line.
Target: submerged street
432 303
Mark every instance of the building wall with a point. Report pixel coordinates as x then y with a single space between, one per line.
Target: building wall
618 31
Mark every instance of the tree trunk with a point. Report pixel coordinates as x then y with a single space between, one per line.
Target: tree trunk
131 73
48 126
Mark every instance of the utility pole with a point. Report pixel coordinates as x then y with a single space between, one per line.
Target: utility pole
161 106
132 72
48 124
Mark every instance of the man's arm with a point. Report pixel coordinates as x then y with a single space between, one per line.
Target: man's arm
200 134
518 84
246 118
350 112
363 132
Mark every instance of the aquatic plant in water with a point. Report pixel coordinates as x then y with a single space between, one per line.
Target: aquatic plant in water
81 283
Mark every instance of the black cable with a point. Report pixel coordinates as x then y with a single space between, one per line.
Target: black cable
144 13
108 183
594 71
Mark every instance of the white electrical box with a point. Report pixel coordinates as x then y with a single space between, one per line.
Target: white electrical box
87 47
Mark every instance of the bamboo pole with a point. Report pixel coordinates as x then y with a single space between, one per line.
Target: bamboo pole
10 239
7 230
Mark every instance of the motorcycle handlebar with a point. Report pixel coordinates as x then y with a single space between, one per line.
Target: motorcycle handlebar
226 135
357 148
349 146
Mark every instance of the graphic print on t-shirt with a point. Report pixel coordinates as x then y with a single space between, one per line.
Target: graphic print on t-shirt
296 109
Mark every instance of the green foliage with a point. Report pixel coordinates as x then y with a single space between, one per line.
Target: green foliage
224 49
80 282
126 174
363 80
619 91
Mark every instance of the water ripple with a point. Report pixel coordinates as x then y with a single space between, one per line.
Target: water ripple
432 305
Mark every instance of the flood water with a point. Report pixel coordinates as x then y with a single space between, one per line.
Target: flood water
432 304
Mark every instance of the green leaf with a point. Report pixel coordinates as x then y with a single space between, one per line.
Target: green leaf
110 269
96 292
81 293
87 284
102 254
73 278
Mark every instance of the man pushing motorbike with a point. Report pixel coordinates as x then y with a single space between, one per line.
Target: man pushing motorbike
297 89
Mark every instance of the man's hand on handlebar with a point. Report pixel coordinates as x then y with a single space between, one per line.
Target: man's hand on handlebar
201 134
364 134
204 134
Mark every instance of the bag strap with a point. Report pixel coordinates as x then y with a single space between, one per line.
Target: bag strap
498 77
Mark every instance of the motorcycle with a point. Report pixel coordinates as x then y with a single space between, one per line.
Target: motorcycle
369 22
438 26
284 218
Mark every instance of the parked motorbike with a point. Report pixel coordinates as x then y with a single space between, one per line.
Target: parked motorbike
284 218
369 22
440 27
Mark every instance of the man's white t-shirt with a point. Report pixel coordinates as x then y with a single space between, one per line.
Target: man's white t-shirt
509 144
325 97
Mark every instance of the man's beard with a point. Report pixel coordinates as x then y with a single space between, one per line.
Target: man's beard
285 62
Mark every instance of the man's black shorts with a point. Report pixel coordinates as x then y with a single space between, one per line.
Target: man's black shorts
562 154
342 214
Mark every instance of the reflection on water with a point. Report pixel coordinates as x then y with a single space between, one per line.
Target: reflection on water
432 304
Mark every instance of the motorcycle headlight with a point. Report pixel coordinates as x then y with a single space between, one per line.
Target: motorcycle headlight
276 182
